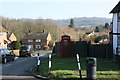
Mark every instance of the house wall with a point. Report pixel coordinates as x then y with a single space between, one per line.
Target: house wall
34 43
2 38
12 38
49 38
116 29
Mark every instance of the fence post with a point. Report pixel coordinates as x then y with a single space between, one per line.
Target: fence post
50 55
79 67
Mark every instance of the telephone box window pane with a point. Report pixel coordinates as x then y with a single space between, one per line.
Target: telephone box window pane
65 47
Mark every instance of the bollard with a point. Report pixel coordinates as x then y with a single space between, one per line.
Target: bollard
79 67
38 63
50 64
91 68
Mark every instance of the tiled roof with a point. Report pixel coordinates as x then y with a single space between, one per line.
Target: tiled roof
2 29
116 9
38 35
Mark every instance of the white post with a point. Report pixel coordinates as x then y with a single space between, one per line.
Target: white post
79 67
38 63
50 63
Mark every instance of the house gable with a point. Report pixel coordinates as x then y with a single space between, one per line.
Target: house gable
12 37
116 9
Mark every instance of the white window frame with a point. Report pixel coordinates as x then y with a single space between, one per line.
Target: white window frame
37 46
30 40
38 40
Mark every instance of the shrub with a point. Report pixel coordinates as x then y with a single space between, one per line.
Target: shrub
46 47
15 45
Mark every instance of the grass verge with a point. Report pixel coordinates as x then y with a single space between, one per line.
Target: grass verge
66 68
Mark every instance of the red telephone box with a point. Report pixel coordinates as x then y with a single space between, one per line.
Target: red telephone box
65 44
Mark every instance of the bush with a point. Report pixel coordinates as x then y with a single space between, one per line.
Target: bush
46 47
51 44
15 45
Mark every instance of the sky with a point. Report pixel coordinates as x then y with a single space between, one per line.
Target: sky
56 9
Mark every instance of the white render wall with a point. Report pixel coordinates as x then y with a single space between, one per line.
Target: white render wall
114 43
115 23
114 31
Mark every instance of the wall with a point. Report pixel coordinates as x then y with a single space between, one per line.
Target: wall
2 38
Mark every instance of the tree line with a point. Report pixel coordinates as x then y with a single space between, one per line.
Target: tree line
20 27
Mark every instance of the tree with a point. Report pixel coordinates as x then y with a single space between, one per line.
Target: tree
97 29
106 26
71 23
15 45
97 39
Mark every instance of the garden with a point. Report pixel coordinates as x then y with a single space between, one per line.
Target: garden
66 68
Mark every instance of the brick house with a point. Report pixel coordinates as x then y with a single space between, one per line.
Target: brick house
3 38
11 37
6 37
36 40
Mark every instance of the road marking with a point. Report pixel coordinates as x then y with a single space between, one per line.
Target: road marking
17 77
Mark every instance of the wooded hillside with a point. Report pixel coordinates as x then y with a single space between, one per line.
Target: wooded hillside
22 26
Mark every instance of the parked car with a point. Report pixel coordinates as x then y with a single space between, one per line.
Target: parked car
6 55
25 51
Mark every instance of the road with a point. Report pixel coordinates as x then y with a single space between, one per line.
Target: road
20 68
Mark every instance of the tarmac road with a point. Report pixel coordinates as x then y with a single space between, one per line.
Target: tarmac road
20 68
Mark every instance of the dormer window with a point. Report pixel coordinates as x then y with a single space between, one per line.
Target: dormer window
119 17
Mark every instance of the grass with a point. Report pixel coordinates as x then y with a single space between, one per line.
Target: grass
66 68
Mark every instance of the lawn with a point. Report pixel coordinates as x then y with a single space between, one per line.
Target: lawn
66 68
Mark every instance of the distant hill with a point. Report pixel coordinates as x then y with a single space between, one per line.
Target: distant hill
84 21
81 21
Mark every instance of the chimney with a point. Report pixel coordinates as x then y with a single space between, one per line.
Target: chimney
43 31
29 32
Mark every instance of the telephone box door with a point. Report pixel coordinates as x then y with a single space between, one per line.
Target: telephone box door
65 46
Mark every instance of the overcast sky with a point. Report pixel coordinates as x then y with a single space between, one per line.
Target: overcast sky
56 9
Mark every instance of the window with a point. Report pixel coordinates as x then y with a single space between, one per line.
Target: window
30 46
30 40
38 46
119 17
38 40
1 33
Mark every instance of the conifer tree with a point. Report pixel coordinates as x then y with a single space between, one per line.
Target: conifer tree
71 23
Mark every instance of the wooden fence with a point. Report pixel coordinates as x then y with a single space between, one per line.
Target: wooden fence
84 49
